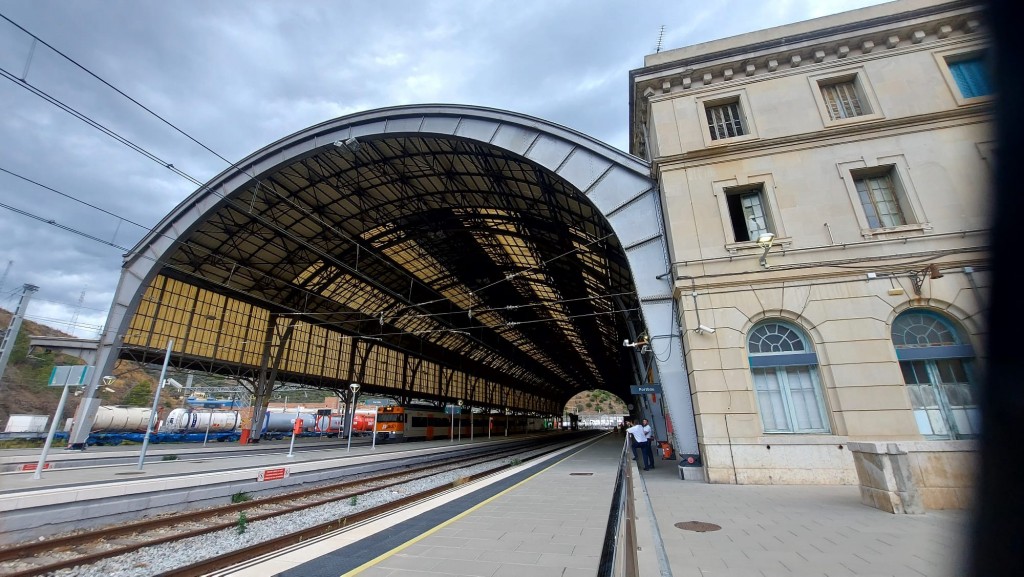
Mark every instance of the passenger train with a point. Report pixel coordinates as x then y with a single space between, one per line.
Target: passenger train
397 423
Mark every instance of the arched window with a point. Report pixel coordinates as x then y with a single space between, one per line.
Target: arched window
936 365
785 370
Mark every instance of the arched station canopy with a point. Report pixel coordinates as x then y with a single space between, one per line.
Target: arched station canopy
438 252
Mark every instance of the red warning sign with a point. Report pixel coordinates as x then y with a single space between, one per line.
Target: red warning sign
272 474
33 466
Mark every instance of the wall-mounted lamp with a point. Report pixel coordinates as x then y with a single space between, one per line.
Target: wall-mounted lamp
917 277
765 241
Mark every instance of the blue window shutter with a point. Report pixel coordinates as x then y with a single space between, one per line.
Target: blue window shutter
971 77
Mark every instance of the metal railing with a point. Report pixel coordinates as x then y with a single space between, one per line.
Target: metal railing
618 556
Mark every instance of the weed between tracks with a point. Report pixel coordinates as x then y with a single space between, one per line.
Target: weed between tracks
243 522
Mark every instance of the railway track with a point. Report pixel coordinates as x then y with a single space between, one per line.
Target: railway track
86 548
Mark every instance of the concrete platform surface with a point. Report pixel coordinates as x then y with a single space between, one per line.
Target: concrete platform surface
796 531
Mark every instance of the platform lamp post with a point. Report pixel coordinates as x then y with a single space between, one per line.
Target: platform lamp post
38 473
354 387
156 402
460 420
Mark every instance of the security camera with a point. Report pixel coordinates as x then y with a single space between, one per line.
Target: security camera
701 329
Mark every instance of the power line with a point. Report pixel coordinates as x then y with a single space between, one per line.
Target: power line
307 212
284 232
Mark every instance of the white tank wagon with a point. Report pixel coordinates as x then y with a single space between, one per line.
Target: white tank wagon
190 421
121 419
283 422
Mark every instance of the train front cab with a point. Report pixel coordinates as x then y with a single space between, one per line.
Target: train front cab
390 424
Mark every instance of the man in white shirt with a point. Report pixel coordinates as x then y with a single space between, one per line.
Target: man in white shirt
640 438
650 440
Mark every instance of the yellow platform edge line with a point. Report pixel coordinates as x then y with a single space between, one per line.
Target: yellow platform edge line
430 532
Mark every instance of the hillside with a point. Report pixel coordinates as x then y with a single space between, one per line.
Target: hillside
596 403
24 389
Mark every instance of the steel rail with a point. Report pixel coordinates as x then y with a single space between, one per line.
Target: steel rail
27 550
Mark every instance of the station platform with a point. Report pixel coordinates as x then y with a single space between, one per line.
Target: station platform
550 518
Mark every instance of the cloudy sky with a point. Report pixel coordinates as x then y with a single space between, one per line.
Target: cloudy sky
237 75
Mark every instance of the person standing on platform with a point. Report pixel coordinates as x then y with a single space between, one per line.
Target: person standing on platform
636 432
650 440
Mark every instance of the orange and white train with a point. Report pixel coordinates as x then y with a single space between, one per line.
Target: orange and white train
397 423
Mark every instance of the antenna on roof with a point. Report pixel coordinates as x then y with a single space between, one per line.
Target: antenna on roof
661 36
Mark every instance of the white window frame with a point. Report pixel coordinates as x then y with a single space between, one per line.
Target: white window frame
769 204
944 57
906 194
869 103
719 99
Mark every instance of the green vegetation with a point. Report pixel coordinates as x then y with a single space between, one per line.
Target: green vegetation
243 522
169 458
241 497
353 500
141 395
596 402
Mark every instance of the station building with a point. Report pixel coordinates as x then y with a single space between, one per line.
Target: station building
825 188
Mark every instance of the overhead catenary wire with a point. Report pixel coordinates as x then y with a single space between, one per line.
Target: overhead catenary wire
308 212
496 328
283 232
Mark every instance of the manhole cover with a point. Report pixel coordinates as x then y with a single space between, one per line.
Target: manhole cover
580 474
698 526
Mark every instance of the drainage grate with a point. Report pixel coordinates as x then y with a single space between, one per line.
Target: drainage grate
698 526
580 474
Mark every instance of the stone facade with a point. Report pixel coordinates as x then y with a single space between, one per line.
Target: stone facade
853 140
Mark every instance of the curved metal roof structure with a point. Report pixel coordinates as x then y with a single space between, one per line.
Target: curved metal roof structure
434 252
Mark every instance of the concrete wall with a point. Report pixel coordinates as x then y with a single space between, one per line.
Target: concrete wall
912 477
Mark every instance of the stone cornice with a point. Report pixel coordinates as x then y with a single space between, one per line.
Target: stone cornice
971 114
845 43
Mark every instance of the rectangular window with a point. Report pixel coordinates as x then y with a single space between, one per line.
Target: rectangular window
725 121
789 400
971 76
880 199
748 213
842 100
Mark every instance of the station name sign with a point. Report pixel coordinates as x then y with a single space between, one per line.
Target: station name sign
645 389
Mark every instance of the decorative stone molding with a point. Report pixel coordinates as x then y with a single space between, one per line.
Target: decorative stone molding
841 48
